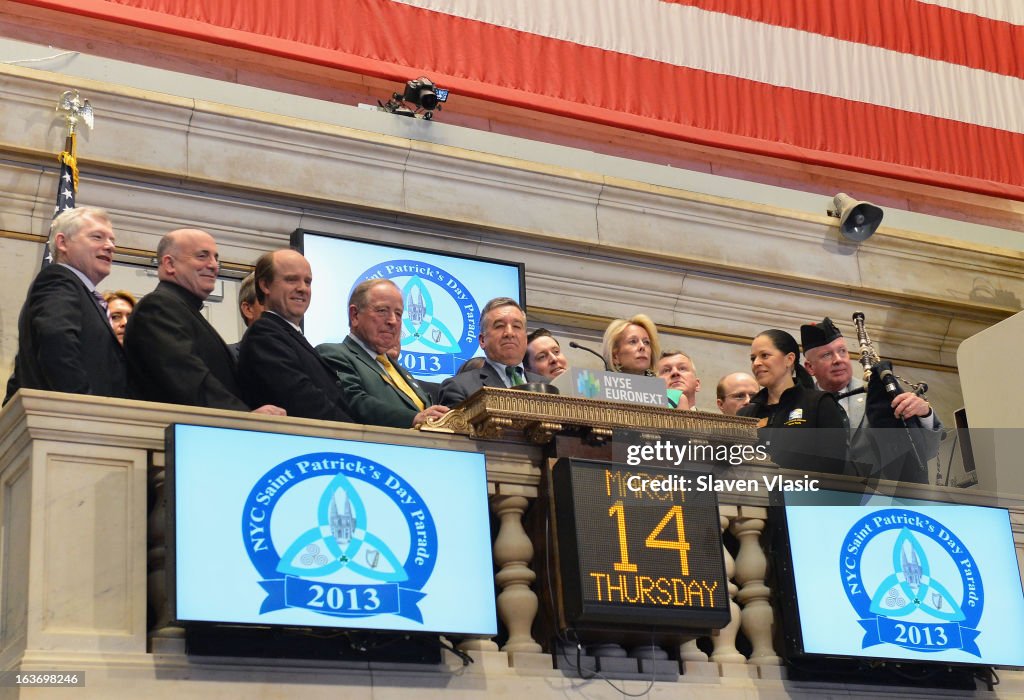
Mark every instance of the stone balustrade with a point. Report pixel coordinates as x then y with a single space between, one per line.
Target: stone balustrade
81 573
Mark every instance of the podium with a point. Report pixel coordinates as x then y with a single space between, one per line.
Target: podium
993 390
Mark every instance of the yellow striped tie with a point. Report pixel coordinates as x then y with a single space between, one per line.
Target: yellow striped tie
399 382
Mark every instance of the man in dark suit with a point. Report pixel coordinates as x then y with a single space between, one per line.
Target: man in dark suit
65 341
174 354
249 308
503 338
879 444
376 390
275 361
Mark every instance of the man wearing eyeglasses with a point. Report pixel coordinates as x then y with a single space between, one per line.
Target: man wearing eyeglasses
376 388
174 354
735 391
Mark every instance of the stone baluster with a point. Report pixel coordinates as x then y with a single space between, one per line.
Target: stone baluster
478 644
156 556
689 651
757 617
724 640
513 551
156 569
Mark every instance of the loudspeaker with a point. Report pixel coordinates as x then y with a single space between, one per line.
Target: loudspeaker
857 220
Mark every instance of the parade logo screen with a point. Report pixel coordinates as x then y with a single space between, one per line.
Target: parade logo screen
905 579
287 530
443 295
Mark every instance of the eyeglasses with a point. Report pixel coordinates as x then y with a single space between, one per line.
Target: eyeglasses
385 311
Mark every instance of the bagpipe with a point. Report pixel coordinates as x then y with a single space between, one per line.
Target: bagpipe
879 378
898 455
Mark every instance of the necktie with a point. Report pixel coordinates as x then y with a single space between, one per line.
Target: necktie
398 381
515 377
101 302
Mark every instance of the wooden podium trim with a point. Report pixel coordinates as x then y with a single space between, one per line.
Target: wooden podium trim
492 413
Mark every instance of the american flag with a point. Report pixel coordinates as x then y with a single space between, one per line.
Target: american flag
67 187
921 90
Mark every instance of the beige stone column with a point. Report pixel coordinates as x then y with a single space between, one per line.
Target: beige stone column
513 551
757 617
724 640
689 651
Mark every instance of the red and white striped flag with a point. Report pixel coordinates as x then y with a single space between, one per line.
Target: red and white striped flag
924 90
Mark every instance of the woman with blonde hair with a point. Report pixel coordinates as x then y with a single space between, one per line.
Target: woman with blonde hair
631 345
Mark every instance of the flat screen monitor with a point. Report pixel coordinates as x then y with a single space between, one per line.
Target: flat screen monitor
284 530
443 294
899 579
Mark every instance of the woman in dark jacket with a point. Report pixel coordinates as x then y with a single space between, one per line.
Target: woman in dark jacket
801 427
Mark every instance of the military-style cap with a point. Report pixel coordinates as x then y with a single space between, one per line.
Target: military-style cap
815 335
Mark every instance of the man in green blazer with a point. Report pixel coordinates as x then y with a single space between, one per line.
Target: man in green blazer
375 390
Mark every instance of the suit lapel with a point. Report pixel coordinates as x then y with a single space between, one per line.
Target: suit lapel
490 377
371 364
90 300
170 293
299 339
363 356
411 381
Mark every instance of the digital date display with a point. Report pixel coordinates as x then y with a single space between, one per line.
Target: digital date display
637 556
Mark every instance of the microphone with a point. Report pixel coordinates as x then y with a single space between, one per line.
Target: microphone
574 344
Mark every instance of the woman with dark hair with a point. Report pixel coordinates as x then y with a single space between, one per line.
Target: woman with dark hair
788 404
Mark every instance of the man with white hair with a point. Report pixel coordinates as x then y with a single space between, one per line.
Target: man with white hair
377 390
65 340
879 424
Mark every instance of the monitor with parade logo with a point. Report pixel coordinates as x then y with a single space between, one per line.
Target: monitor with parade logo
906 580
443 294
283 530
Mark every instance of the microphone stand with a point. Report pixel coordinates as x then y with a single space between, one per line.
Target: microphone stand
577 346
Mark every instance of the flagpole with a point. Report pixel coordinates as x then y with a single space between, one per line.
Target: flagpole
74 110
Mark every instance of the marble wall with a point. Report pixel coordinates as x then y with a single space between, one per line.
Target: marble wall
712 271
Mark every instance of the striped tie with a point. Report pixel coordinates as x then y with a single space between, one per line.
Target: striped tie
398 381
101 302
515 376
